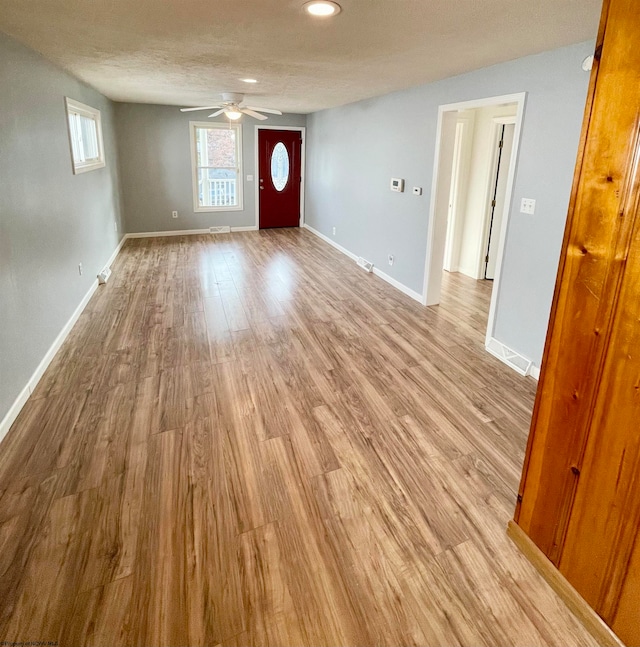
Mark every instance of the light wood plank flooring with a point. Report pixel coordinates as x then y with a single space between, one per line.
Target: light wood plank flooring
247 440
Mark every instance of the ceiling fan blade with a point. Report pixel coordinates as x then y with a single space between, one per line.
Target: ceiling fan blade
215 114
200 108
251 113
270 111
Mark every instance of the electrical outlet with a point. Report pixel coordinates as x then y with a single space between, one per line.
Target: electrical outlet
417 190
391 259
249 178
334 231
174 214
528 206
80 269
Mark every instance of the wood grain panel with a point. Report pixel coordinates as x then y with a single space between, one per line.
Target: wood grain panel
587 287
607 508
578 494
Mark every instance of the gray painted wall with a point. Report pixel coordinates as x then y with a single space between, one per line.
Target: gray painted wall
353 151
155 167
50 219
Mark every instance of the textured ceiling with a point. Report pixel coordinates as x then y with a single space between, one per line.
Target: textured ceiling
186 52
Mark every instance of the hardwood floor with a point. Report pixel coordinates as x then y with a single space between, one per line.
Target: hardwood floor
247 440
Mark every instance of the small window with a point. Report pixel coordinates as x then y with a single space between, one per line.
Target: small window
216 160
280 166
85 135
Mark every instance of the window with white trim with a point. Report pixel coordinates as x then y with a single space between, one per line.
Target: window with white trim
216 154
85 136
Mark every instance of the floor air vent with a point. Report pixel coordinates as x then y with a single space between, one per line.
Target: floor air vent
365 265
519 363
220 230
103 277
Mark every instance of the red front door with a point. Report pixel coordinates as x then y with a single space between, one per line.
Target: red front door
279 177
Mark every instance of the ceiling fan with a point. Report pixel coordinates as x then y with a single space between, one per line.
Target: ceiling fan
233 108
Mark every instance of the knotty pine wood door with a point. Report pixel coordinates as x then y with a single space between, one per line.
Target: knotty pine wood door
578 499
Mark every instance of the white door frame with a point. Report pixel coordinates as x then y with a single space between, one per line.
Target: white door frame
256 177
431 291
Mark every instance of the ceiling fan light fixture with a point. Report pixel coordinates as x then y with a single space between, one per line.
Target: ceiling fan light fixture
233 108
322 8
249 80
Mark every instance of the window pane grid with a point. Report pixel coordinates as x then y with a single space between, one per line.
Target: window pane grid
76 138
89 138
217 167
85 137
217 189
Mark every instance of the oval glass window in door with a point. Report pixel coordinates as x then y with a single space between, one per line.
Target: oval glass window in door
280 166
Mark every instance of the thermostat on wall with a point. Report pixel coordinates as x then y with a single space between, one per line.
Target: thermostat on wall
397 184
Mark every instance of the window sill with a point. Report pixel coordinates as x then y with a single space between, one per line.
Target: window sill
215 209
88 167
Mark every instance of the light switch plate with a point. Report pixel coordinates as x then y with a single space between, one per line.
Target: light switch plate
528 206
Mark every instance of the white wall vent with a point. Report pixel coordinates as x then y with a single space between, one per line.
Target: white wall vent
516 361
220 230
365 264
103 277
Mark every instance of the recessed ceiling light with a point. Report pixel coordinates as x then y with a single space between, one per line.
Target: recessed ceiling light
322 8
249 80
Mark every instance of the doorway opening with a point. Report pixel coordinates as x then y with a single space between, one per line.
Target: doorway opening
474 169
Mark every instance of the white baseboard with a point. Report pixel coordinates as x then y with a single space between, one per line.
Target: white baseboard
20 401
385 277
116 251
182 232
340 248
396 284
472 274
22 398
16 408
158 234
534 371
